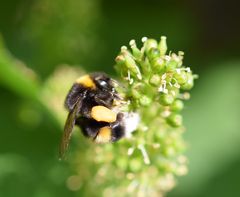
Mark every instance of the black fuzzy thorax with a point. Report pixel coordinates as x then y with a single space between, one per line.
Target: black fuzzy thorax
90 98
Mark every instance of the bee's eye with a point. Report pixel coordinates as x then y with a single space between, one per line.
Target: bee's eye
103 83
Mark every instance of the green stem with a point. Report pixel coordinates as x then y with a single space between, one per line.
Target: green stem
22 83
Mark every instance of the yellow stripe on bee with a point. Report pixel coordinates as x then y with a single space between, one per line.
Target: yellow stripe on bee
86 81
101 113
104 135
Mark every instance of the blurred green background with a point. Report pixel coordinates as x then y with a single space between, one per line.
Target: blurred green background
88 33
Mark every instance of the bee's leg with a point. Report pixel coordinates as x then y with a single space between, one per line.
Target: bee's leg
104 98
103 114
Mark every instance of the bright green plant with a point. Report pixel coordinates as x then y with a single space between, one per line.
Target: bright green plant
145 164
154 85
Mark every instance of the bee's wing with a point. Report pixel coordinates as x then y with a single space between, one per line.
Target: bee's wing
69 124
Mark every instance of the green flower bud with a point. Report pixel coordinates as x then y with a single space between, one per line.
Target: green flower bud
145 101
120 59
150 44
132 66
158 65
177 105
135 164
135 90
181 77
130 63
135 94
170 152
171 65
136 52
178 59
175 120
122 163
163 45
181 54
174 91
155 80
153 53
166 99
189 83
168 78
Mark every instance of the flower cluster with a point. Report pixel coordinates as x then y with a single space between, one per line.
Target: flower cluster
154 84
155 77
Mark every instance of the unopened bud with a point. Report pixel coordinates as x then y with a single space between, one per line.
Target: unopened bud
158 65
175 120
121 163
135 94
171 65
181 77
120 59
166 99
189 83
152 54
132 66
136 52
177 105
135 164
150 44
155 80
163 45
145 101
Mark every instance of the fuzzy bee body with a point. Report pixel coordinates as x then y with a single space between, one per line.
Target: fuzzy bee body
102 132
94 89
90 103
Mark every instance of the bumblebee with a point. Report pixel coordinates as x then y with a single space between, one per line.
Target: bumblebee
91 90
92 102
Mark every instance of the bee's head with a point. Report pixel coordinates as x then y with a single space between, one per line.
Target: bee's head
103 82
